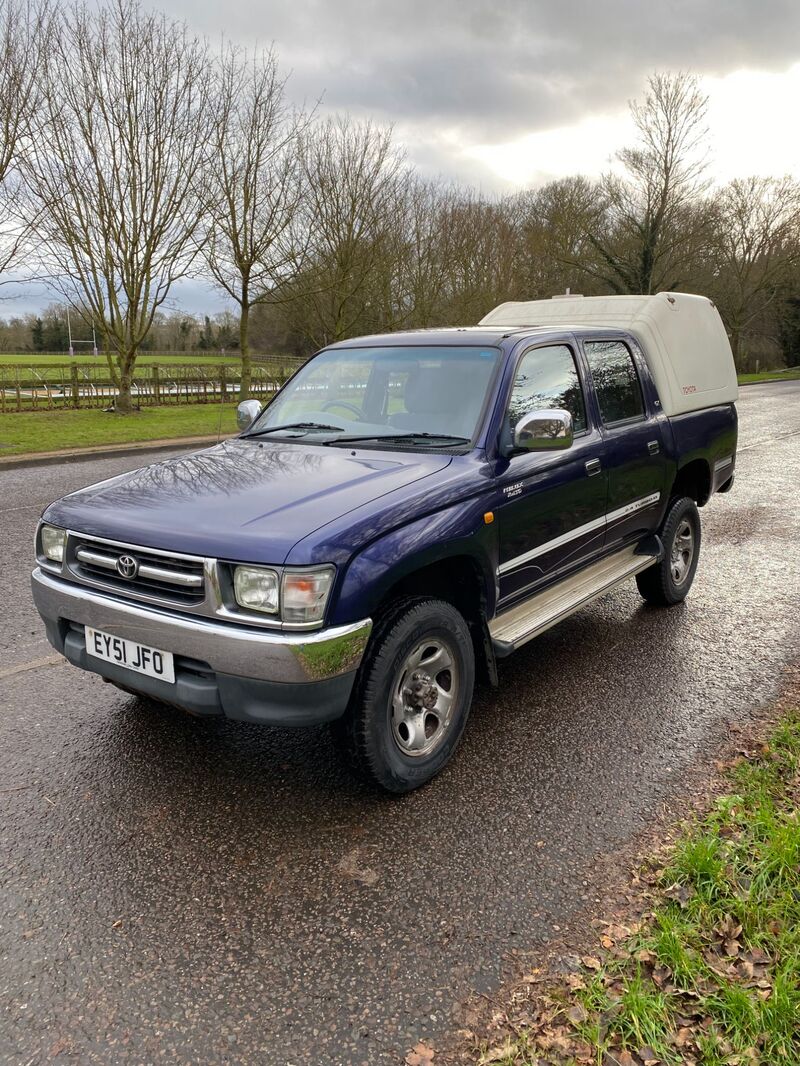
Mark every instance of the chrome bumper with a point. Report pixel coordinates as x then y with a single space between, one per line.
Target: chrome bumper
260 654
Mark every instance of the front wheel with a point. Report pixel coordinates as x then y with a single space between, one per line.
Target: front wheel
669 581
412 696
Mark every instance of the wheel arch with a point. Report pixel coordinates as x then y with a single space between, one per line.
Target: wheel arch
461 576
693 479
458 580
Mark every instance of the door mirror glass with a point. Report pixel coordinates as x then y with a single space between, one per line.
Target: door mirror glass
246 413
543 431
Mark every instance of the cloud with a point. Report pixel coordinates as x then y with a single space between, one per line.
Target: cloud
493 71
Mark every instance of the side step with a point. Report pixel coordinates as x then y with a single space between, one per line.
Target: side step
527 620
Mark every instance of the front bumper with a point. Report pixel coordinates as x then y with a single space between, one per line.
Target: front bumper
254 675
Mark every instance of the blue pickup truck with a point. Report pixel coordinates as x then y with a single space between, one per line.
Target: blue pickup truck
408 510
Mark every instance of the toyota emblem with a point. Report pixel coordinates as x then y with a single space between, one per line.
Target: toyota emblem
127 567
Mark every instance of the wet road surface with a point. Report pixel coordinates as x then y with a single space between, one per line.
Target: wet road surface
185 890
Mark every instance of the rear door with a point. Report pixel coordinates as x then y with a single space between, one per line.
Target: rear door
551 508
632 427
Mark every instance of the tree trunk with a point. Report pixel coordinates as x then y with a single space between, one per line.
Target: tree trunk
124 406
244 351
736 344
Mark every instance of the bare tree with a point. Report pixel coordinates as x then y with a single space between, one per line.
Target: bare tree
554 223
124 132
653 223
24 28
756 251
482 242
253 186
354 181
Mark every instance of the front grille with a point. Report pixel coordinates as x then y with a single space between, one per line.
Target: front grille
178 579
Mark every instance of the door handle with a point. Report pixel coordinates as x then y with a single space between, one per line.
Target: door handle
593 467
653 447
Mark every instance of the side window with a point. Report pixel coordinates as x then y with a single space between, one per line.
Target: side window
548 377
616 382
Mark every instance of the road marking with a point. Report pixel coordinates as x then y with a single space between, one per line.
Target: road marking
34 664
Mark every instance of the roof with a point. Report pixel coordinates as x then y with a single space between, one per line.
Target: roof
452 335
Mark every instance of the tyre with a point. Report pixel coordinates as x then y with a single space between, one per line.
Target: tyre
669 581
412 695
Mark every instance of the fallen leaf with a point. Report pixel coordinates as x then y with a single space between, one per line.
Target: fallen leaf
591 963
680 893
619 1058
421 1055
500 1053
349 866
577 1014
683 1037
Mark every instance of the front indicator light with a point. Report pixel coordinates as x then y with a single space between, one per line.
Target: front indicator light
256 588
53 541
305 595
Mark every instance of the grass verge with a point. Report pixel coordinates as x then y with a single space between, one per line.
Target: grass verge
792 374
711 975
50 431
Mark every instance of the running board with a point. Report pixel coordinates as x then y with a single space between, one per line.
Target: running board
515 627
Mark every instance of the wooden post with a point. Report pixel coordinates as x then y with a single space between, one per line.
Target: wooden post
76 392
223 383
156 384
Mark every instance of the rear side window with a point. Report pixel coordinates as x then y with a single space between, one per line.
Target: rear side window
548 378
616 382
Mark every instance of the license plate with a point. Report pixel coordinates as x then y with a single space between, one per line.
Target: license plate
131 655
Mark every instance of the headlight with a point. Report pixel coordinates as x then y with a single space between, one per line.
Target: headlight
305 594
256 588
53 541
294 596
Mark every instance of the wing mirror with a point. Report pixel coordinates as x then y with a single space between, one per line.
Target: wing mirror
246 413
543 431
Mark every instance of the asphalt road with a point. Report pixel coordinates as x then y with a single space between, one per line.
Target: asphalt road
198 891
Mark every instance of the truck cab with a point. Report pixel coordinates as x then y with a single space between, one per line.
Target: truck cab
410 509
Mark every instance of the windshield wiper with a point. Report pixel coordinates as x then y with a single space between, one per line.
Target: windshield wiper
393 438
295 425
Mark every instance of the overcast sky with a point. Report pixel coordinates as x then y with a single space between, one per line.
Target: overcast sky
510 93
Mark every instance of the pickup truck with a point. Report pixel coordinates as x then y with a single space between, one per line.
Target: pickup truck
408 510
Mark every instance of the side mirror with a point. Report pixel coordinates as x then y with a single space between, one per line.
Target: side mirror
246 413
543 431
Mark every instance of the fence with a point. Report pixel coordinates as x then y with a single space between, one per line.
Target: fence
54 386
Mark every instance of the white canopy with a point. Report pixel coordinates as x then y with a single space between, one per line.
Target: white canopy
682 337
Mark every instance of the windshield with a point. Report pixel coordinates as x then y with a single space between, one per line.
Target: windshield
406 395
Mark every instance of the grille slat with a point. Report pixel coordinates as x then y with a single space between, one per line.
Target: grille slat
177 579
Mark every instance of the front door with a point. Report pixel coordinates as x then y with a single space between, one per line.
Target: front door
551 505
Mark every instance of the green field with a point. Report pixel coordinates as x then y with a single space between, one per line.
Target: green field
32 359
50 431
